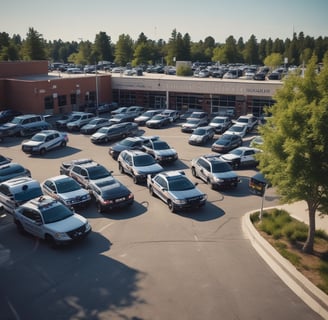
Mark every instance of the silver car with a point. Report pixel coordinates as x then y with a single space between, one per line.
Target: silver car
138 164
66 190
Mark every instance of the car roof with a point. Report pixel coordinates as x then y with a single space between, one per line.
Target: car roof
18 183
60 177
42 202
212 157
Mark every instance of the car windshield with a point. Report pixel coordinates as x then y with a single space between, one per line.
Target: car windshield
199 132
217 120
67 185
225 137
220 167
161 145
180 183
144 160
237 128
28 194
75 117
94 121
98 172
237 152
193 121
127 142
55 213
244 120
158 117
16 120
38 137
103 130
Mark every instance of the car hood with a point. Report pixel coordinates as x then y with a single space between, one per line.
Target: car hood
98 135
73 194
142 118
8 125
185 194
230 157
155 168
167 152
225 175
31 143
119 147
73 222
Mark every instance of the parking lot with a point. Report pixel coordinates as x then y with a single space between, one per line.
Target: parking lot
144 262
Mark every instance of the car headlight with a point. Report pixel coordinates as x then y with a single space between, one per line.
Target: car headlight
180 201
60 235
217 180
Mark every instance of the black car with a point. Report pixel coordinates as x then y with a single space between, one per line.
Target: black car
8 114
110 193
226 143
129 143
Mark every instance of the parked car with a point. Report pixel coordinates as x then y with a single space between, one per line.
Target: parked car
176 190
114 132
48 219
242 157
45 141
85 171
129 143
226 143
79 120
237 129
13 170
66 190
214 171
14 192
249 120
122 117
143 118
8 114
119 111
201 135
192 123
138 164
173 115
220 124
24 125
94 125
160 150
110 194
66 118
158 121
135 110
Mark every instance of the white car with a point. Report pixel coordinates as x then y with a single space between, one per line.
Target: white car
66 190
242 157
44 141
237 129
49 219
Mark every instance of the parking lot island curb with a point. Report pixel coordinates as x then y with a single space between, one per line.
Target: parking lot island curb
316 299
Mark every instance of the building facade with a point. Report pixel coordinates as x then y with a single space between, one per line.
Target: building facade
27 87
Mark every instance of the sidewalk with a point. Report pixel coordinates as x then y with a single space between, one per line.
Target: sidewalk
299 211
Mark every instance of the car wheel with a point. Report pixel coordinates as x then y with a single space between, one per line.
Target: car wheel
106 140
171 206
20 228
51 241
236 164
135 179
151 191
63 144
22 133
208 181
120 168
100 208
193 172
42 151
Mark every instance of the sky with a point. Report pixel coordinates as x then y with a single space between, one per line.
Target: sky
76 20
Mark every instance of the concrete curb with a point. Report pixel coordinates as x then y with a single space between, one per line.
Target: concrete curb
316 299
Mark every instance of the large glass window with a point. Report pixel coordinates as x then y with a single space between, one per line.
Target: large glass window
62 101
48 102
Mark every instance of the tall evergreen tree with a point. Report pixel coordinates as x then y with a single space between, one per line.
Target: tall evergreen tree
34 46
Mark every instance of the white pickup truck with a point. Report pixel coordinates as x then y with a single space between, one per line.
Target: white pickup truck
249 120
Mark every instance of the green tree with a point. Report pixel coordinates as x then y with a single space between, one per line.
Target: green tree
102 49
251 52
123 50
295 149
34 46
273 60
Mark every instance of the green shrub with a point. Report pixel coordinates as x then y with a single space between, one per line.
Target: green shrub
184 70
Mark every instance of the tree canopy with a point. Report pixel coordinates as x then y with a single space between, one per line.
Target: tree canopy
295 149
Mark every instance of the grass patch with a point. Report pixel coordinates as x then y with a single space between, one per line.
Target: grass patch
288 235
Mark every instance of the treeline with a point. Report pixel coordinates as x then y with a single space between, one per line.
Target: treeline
145 51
